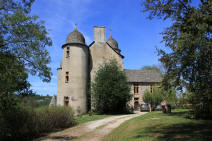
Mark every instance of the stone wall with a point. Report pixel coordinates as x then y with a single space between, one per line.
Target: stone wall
141 88
101 52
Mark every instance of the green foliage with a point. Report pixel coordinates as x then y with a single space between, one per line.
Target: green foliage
189 40
22 50
153 67
12 79
147 97
34 100
25 37
183 100
110 89
153 98
171 97
20 123
12 73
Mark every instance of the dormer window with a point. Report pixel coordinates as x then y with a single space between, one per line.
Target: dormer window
67 52
67 77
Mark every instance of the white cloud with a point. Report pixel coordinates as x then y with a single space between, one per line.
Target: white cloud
87 39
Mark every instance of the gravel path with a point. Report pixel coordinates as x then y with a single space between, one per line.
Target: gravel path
90 131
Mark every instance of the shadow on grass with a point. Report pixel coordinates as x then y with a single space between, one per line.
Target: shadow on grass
180 114
201 131
59 138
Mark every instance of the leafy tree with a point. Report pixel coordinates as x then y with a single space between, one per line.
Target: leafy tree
171 97
22 47
153 98
153 67
22 51
23 36
189 40
12 79
183 99
110 89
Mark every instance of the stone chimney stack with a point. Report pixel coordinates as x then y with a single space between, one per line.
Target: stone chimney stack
99 34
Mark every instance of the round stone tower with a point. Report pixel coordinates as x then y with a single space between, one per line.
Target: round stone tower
73 73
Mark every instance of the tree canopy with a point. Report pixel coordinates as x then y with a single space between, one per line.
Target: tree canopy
110 89
23 41
25 37
154 67
189 40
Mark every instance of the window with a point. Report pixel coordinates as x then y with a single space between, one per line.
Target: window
67 52
151 88
136 99
66 100
136 88
67 77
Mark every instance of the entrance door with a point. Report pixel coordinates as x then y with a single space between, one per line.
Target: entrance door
136 106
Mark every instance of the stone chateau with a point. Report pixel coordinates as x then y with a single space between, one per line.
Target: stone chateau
80 63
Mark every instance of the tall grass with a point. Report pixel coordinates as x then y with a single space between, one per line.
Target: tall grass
26 123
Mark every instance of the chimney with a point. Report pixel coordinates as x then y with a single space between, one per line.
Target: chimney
99 34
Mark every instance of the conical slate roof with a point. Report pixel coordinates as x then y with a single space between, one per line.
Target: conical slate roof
75 37
112 42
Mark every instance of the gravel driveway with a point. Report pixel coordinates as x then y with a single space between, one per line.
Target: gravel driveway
90 131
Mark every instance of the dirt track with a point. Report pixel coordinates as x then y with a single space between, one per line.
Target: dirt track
90 131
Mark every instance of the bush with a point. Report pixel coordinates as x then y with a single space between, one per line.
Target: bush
21 123
54 117
110 89
200 109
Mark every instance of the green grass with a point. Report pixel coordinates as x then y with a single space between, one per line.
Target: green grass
157 126
87 118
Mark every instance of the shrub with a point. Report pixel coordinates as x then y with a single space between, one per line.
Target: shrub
21 123
200 109
54 117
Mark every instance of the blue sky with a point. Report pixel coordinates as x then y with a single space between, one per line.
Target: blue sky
137 36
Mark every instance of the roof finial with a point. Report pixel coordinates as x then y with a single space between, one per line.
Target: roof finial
75 26
110 32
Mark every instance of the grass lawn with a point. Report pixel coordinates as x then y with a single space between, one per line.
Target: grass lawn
87 118
157 126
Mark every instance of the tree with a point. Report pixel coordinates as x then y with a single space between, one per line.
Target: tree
171 97
189 40
153 67
153 98
23 36
23 41
110 89
12 79
22 50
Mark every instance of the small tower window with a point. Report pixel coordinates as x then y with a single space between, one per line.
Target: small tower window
67 77
66 100
151 88
136 88
68 52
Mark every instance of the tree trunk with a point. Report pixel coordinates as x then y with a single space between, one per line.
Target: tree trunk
150 108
